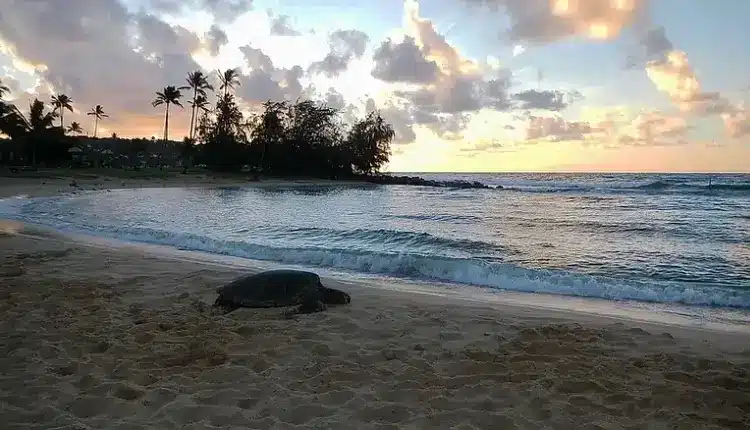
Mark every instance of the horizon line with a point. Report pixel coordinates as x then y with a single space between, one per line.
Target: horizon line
568 172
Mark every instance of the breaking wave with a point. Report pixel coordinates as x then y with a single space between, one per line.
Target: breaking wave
652 187
421 266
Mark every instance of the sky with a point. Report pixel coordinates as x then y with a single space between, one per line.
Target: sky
468 85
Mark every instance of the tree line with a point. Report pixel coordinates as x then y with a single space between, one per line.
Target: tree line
304 137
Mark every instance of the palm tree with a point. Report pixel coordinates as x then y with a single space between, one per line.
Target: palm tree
198 82
229 79
200 103
98 113
168 96
74 127
35 126
61 102
38 120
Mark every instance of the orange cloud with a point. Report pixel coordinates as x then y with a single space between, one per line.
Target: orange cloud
597 19
674 76
611 128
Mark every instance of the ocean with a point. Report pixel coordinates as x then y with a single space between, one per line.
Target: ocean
658 238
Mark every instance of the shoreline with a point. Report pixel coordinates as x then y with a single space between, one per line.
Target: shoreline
711 319
656 313
107 336
559 307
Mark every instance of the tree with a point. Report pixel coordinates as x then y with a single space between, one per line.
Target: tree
312 130
229 79
32 131
61 102
198 82
168 96
98 113
4 89
223 135
270 129
74 127
369 143
200 104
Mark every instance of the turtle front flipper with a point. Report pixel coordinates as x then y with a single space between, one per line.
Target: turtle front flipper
311 306
310 300
226 306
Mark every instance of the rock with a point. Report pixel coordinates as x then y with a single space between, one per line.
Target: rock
415 180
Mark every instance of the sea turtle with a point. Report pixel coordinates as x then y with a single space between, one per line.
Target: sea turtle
278 288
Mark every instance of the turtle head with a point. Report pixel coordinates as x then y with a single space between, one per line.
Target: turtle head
335 297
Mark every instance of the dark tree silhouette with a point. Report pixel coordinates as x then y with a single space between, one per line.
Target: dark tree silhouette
32 132
75 127
198 82
170 95
98 113
200 104
60 102
269 129
300 138
222 133
229 78
369 143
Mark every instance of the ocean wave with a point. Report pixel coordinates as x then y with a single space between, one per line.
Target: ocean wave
439 218
391 238
656 186
477 272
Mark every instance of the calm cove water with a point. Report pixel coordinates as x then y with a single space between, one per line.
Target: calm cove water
653 238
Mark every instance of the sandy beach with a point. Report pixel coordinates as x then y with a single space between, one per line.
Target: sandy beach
119 337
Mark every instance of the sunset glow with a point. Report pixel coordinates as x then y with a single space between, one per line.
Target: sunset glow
548 85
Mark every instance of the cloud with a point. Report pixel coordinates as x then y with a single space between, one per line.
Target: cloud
450 86
222 10
265 81
556 129
345 46
281 26
486 145
403 62
97 51
612 129
13 85
398 116
653 44
544 21
654 128
736 121
553 100
668 68
215 38
674 76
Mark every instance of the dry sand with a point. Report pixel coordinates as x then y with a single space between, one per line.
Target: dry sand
122 338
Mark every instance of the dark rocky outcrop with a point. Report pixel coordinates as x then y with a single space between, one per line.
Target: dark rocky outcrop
416 180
